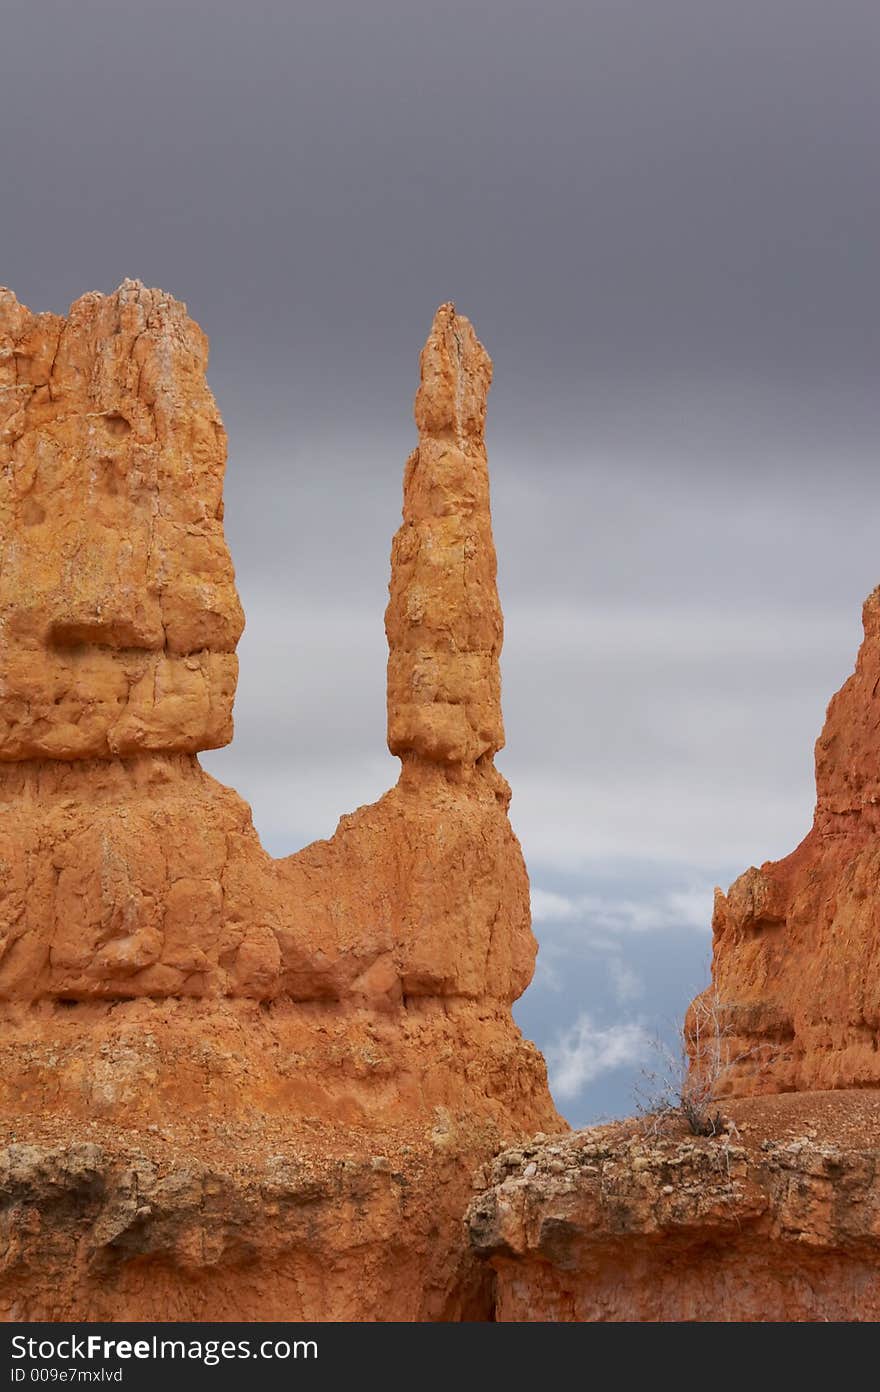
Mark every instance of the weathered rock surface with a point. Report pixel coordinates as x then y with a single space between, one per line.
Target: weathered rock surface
187 1160
157 968
444 621
118 611
778 1220
796 943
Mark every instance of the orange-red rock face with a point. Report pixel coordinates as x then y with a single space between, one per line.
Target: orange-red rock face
796 955
118 611
167 987
224 1160
145 877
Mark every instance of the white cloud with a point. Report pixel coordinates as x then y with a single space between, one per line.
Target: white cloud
548 907
616 914
628 985
546 976
664 731
581 1053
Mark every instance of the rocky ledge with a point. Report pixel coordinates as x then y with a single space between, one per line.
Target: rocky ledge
777 1218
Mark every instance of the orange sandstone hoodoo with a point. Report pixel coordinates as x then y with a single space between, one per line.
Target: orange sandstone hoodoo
234 1087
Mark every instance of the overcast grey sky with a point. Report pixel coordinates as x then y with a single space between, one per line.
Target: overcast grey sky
662 217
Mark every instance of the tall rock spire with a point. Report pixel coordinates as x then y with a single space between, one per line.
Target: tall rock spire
443 621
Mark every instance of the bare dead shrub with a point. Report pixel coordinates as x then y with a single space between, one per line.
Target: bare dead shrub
687 1083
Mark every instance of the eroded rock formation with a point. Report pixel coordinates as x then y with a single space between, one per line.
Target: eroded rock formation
268 1081
776 1216
118 611
796 943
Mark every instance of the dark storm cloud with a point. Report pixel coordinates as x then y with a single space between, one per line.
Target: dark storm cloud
641 188
663 219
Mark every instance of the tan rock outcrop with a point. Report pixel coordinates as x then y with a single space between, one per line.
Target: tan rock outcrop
164 980
777 1220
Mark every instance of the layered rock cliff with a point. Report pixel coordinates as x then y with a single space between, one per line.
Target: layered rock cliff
232 1086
